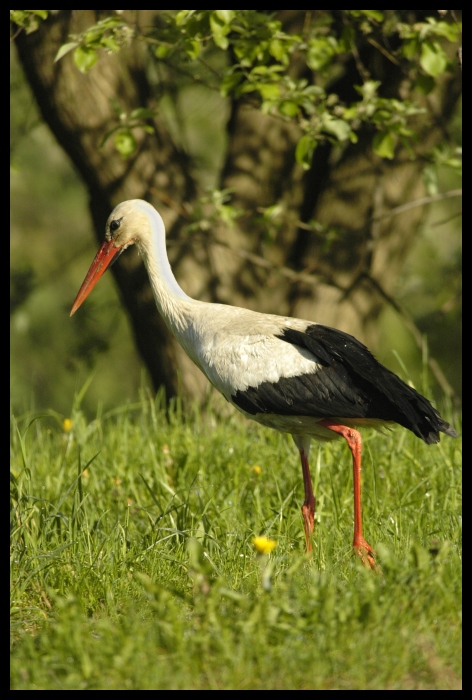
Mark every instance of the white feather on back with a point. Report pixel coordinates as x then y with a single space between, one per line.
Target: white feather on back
237 348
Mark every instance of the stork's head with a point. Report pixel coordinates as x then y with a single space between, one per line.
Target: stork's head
130 222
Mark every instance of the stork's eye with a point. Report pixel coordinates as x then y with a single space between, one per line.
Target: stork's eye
114 225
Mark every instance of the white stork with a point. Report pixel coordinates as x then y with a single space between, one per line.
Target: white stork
296 376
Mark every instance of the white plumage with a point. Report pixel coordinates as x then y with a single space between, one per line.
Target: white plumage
290 374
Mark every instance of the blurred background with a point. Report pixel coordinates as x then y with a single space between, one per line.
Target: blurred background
284 187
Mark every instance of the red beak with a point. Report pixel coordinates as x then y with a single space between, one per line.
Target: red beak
101 262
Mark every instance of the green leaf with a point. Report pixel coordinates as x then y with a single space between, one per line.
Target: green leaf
193 49
424 84
433 59
85 58
247 87
125 143
226 16
142 113
337 127
162 51
288 108
411 48
320 53
110 44
368 90
28 19
219 32
182 16
384 144
229 82
65 48
278 49
267 70
304 151
450 31
221 41
269 91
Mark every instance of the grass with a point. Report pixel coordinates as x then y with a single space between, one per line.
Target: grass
133 567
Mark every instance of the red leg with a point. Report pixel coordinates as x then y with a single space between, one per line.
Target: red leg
309 504
353 439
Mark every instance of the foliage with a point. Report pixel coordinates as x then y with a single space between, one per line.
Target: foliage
259 55
133 564
29 20
109 35
262 53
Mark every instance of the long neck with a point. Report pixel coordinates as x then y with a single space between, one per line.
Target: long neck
170 298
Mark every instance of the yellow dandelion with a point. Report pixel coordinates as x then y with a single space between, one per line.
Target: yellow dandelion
67 425
85 474
257 470
264 545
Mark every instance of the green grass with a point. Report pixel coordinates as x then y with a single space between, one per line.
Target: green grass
132 563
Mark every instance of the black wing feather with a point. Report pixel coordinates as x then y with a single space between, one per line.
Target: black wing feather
351 384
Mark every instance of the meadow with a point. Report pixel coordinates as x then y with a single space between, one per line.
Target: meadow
133 564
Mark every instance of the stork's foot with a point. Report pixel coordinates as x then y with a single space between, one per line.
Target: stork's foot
308 512
365 552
